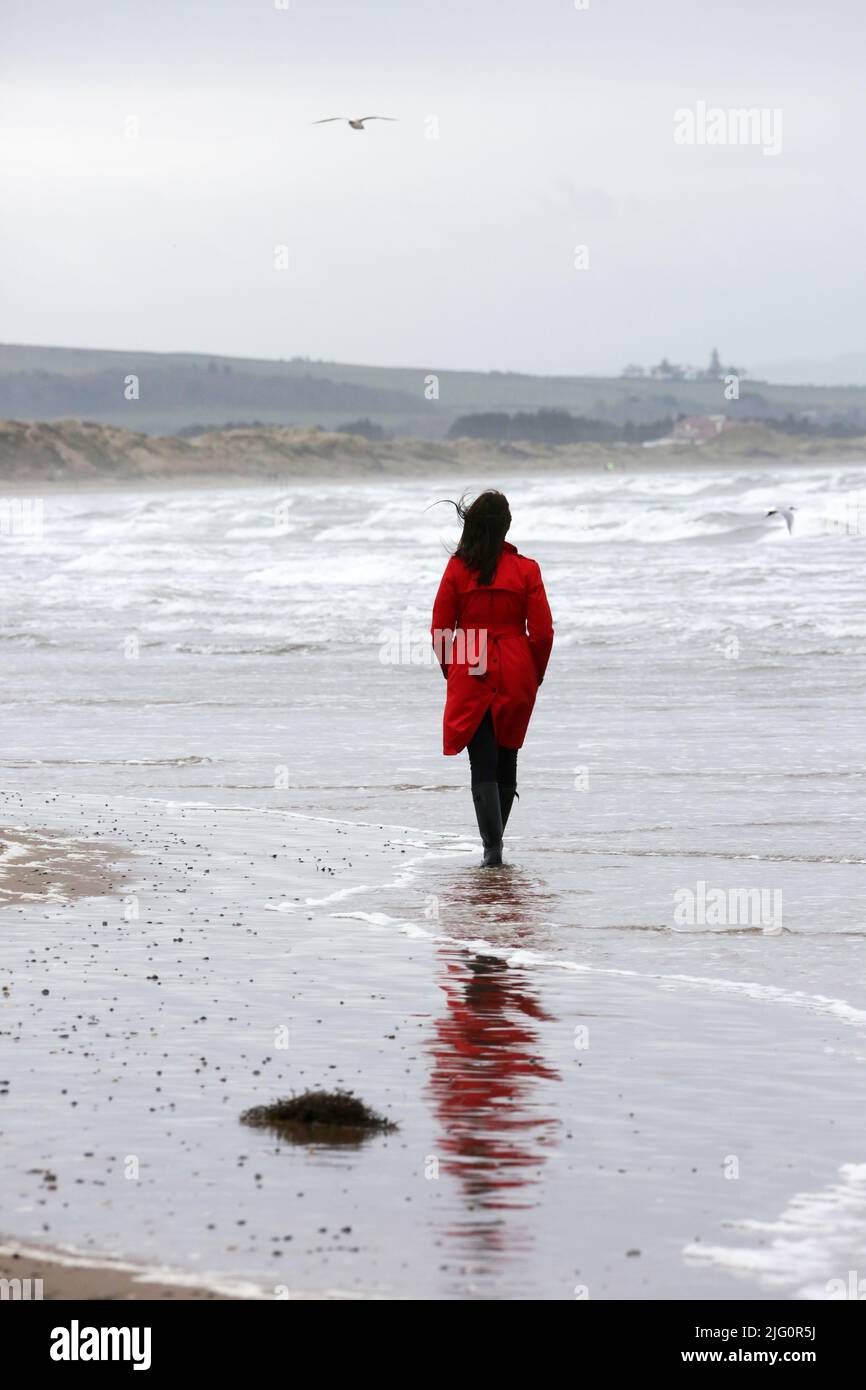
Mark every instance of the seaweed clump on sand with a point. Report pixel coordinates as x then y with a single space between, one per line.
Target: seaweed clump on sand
329 1117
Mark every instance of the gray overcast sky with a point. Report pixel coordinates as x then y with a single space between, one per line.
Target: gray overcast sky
555 129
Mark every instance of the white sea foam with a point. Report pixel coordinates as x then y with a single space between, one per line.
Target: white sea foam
840 1010
811 1249
338 895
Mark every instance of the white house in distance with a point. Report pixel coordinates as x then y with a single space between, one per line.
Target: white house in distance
698 429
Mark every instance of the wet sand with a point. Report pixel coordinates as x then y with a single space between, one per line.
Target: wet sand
67 1280
41 866
560 1127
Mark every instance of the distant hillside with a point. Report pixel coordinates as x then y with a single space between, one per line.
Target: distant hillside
177 391
73 452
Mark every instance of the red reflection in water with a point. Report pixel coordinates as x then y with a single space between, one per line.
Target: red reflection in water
486 1067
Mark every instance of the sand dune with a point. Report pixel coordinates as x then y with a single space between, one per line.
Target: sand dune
83 451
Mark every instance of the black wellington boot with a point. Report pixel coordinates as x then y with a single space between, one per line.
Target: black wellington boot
488 813
506 801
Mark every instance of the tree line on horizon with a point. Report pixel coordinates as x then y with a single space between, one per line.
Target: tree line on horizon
548 426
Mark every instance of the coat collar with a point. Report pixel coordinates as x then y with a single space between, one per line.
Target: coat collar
512 549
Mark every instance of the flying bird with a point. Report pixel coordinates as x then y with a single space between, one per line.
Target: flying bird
357 123
787 513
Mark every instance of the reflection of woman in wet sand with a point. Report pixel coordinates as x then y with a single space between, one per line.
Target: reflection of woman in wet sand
486 1068
492 632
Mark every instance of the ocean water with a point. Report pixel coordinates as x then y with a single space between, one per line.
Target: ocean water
647 1034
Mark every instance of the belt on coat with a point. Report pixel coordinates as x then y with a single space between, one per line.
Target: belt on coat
479 666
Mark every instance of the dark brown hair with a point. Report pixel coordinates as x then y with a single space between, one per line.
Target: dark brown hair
485 524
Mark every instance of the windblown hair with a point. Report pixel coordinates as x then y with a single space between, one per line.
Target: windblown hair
485 525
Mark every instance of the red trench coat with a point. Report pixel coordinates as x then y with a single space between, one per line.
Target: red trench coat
500 649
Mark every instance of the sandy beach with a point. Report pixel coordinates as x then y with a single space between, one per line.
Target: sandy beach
38 867
237 866
42 457
53 1278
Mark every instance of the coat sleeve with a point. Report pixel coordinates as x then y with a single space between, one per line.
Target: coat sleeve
444 618
539 622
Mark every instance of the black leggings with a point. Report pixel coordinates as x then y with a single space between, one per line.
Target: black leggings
489 761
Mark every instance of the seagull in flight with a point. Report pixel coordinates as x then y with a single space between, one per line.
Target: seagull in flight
787 513
357 123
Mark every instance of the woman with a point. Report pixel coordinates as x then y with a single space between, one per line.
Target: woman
492 632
